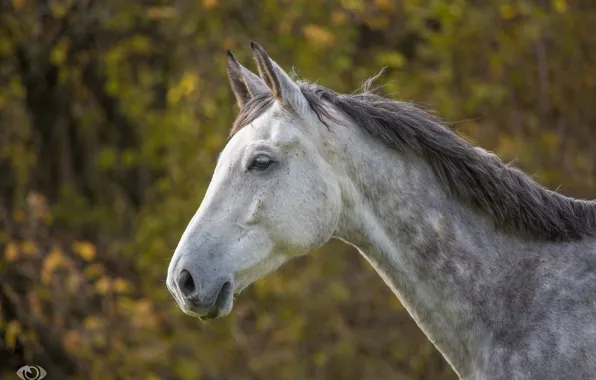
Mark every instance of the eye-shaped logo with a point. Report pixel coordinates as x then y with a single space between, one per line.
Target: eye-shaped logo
31 372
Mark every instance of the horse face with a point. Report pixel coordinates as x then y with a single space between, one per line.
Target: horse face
273 196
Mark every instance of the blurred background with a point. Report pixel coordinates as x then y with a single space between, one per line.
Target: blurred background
112 113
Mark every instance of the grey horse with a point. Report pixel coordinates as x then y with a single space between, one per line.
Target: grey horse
498 271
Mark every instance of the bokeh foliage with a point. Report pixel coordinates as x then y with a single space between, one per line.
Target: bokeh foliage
111 116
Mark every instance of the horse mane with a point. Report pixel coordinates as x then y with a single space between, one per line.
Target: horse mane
514 201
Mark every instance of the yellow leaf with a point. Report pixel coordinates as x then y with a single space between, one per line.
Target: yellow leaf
143 306
140 44
92 323
58 10
188 84
94 271
286 23
11 334
59 53
54 260
386 5
126 304
392 59
17 4
113 57
339 18
122 286
507 11
84 249
353 5
318 35
174 95
209 4
28 248
11 252
155 13
103 285
560 5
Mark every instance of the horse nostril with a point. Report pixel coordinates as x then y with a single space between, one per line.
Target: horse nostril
186 283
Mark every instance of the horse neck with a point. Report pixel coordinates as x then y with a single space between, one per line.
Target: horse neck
438 256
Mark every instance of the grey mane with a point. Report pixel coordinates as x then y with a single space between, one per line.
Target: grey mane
515 202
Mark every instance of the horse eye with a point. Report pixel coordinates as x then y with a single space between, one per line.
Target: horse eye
261 163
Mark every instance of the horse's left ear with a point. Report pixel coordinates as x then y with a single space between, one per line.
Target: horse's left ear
283 88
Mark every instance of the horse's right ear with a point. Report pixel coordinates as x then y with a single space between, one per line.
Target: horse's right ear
244 83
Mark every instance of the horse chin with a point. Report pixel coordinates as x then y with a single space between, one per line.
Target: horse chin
212 316
223 304
219 311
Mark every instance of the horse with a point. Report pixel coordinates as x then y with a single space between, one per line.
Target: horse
498 271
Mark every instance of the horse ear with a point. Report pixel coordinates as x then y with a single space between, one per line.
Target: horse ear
283 88
245 84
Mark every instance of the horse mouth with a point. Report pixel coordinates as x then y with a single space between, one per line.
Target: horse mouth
222 304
